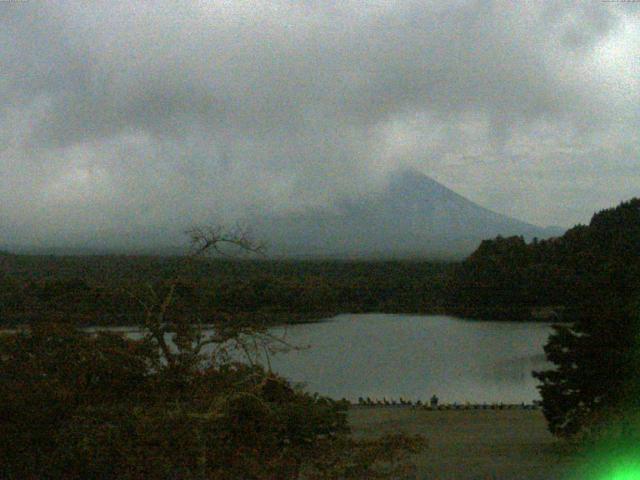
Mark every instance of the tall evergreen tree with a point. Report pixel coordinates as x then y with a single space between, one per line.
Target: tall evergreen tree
595 374
597 357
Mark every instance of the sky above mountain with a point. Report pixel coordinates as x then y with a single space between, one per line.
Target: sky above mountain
120 118
413 217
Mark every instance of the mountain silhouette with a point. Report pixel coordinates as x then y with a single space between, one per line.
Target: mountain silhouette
414 216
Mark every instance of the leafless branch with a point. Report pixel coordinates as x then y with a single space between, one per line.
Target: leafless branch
215 239
188 337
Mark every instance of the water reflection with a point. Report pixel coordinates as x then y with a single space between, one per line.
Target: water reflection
414 357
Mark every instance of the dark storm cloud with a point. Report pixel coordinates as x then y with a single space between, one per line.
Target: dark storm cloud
119 117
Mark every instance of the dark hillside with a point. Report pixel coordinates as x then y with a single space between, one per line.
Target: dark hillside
98 289
413 217
509 278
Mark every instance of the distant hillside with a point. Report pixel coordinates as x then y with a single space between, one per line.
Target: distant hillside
508 278
415 216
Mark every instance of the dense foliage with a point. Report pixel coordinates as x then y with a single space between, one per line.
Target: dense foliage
506 278
596 380
174 404
96 290
75 405
117 388
590 279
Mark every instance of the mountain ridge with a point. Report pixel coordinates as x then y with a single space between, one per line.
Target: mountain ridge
414 216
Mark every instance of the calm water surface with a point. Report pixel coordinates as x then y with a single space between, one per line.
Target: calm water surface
414 357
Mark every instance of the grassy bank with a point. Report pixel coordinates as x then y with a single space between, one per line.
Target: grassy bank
473 444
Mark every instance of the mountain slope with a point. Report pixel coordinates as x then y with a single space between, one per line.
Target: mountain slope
413 216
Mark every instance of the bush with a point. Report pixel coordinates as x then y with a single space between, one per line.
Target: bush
75 405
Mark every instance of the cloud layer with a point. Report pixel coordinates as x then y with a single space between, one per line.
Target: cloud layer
128 122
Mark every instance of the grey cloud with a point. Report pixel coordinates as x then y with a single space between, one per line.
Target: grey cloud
162 113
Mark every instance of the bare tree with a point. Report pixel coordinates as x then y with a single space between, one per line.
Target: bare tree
206 240
181 340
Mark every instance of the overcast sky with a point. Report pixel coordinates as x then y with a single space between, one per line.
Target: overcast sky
121 117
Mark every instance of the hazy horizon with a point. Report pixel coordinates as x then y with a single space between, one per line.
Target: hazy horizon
124 124
413 216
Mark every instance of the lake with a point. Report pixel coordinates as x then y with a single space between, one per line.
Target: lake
414 357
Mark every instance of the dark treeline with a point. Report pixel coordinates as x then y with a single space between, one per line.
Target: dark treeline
104 289
78 405
506 278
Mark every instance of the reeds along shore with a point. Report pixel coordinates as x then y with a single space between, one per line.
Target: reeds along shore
368 402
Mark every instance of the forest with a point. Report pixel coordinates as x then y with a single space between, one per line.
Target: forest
100 290
79 405
504 279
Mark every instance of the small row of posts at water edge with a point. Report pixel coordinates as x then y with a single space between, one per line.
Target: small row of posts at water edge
434 404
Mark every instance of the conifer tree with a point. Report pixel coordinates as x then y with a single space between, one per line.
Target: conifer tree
594 381
597 357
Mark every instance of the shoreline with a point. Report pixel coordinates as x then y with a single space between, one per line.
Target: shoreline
449 406
281 319
473 445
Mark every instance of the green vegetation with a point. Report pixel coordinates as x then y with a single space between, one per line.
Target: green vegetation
76 405
79 406
96 290
506 278
589 278
594 388
595 381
